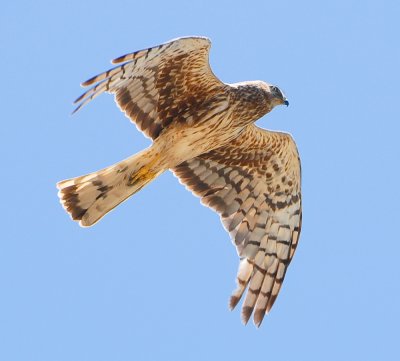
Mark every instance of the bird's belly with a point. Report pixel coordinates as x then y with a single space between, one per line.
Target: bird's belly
179 145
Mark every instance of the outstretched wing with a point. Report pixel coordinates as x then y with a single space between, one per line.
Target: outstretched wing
254 184
159 85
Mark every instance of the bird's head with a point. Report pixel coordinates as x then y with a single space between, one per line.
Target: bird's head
276 96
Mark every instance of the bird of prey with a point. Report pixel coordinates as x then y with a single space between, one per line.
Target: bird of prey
203 131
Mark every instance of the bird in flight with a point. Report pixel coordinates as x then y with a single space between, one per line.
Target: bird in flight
203 131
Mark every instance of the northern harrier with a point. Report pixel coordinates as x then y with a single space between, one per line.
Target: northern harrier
203 130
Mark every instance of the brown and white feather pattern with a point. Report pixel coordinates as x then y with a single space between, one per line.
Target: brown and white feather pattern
160 85
203 130
254 184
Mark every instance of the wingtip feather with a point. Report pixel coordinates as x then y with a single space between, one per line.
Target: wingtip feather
119 60
234 300
259 315
246 314
90 81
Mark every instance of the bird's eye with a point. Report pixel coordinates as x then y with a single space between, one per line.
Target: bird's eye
276 91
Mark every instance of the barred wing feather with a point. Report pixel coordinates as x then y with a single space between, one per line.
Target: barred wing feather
254 184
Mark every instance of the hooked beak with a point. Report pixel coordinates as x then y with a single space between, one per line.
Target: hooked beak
286 102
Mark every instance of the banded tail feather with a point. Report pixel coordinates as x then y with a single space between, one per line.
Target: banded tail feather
90 197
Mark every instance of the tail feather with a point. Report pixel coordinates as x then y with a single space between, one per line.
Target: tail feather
90 197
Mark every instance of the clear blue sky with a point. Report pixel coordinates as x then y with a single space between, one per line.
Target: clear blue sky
69 293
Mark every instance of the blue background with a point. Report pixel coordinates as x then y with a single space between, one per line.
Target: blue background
152 280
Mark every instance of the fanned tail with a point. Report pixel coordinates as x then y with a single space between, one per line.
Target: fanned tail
90 197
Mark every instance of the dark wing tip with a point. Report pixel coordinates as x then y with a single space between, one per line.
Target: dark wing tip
89 81
234 300
246 314
258 317
120 59
77 100
77 108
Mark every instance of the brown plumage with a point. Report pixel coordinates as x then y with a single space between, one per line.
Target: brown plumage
202 129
